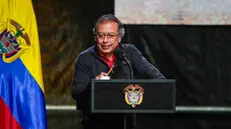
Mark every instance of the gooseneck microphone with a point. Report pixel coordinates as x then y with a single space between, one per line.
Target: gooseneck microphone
120 54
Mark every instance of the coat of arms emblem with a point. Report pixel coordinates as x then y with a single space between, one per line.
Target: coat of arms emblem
13 40
133 95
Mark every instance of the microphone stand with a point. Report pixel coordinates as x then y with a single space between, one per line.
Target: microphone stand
131 77
122 56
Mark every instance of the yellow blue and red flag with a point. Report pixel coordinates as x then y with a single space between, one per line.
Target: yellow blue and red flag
22 98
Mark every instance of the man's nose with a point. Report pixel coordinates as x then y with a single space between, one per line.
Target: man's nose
105 38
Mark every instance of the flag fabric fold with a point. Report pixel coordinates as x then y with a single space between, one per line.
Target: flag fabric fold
22 97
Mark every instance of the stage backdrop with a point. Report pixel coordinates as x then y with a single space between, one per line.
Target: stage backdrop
197 56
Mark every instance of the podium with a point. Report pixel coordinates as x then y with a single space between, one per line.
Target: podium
133 96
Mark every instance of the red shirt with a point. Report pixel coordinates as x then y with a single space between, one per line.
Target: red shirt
110 63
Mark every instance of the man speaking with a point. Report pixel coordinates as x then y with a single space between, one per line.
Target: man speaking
108 57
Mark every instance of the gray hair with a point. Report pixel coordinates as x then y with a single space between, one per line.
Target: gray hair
110 17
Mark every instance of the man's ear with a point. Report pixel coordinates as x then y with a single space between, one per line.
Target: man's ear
120 39
95 38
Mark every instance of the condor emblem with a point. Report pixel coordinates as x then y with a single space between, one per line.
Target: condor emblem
13 41
133 95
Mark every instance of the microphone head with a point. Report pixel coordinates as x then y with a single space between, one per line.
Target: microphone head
118 50
120 53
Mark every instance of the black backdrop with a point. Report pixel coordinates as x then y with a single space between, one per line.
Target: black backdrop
196 56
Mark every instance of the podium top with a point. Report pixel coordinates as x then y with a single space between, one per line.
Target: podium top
136 81
133 96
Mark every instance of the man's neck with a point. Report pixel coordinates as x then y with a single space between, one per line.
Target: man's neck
109 56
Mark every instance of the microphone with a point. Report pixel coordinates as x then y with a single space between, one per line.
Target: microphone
122 56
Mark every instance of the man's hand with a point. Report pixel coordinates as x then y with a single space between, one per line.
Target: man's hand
101 74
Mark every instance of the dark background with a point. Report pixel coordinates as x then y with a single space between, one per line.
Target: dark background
198 57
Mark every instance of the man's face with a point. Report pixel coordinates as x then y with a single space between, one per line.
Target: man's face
107 37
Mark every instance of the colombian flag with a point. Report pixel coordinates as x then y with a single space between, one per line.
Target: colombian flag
22 101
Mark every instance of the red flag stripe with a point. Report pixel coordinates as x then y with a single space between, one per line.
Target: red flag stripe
7 121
